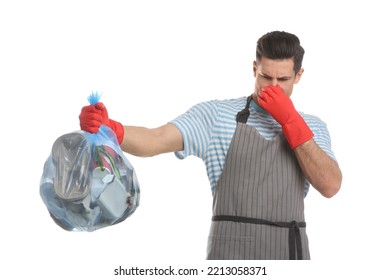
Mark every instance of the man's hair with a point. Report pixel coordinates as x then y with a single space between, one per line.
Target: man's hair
278 45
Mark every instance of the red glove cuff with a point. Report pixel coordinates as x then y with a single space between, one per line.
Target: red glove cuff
118 128
297 132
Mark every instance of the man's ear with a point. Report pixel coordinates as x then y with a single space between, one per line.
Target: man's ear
299 75
255 66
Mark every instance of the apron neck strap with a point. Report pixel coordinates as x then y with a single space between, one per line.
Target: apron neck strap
243 115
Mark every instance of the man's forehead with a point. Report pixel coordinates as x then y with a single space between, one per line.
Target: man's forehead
276 68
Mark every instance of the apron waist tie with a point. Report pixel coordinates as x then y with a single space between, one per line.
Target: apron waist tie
294 231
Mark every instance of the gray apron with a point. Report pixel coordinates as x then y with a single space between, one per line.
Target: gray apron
258 205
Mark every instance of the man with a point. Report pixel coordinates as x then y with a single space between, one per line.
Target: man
261 156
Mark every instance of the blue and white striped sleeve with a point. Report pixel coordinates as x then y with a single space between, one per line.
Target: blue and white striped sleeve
321 134
196 126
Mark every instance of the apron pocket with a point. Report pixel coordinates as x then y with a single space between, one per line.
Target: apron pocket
222 247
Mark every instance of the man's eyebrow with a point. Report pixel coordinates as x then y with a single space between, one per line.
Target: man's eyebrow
279 78
264 74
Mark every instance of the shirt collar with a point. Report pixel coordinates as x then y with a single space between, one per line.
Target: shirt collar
255 107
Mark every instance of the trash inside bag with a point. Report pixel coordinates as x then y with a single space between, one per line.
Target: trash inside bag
87 182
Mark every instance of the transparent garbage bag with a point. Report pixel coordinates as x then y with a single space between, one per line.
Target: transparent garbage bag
87 182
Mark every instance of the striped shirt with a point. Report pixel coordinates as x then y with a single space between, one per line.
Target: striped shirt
207 130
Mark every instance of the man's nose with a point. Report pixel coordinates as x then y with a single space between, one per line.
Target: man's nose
273 82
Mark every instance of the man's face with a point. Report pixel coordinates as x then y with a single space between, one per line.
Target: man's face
272 72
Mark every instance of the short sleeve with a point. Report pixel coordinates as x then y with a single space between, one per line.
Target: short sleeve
321 135
196 126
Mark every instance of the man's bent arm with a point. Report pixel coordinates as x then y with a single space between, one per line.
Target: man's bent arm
322 171
146 142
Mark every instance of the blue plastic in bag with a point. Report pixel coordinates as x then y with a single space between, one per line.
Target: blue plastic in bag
87 182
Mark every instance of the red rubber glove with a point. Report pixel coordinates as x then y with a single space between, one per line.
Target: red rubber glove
93 116
279 105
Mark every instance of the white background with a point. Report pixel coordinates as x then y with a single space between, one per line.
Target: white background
153 60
